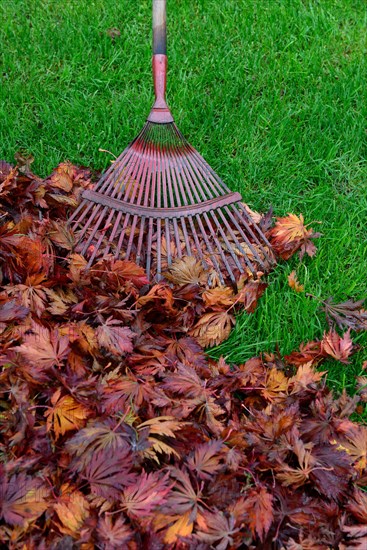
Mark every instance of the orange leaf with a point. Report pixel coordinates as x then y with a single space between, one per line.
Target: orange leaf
66 414
181 528
259 507
276 385
63 177
305 376
221 296
294 282
290 234
72 510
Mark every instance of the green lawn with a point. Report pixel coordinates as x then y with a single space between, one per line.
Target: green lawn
272 92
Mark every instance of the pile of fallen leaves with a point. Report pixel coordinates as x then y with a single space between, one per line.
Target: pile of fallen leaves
117 431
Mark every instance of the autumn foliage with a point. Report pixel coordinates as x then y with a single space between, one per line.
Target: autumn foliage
118 432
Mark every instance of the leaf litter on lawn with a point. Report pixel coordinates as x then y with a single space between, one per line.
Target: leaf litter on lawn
117 431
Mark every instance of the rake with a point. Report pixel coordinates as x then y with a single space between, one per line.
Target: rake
160 200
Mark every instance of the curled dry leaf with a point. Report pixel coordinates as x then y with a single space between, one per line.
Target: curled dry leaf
213 328
114 337
337 347
222 297
290 235
294 282
348 314
186 271
72 509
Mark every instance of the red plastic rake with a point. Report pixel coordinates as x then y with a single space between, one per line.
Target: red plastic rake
160 200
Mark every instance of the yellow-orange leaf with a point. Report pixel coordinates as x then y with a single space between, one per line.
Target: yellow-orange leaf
294 282
65 415
276 385
72 510
182 527
185 271
219 296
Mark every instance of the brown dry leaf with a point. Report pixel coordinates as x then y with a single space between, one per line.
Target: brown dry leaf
72 510
355 444
362 387
250 294
294 282
115 338
305 376
23 499
336 346
81 333
24 161
61 235
213 328
32 293
259 506
252 213
290 234
186 271
160 426
159 293
63 176
60 300
113 32
276 385
77 264
44 348
65 415
221 296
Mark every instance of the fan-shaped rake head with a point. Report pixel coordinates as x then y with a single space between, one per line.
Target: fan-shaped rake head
160 200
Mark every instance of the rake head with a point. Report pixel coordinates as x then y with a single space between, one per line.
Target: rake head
160 200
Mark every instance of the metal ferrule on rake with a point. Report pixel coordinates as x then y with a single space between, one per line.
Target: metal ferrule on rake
160 199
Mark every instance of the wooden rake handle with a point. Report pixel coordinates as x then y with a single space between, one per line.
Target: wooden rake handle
159 27
160 113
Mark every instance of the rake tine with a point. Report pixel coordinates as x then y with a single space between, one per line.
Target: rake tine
209 247
221 187
192 175
149 247
95 229
238 244
189 180
165 203
110 185
140 241
219 248
250 231
131 237
122 236
245 238
159 251
175 225
224 236
256 227
168 242
214 180
137 167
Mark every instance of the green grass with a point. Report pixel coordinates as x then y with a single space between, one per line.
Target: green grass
272 92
